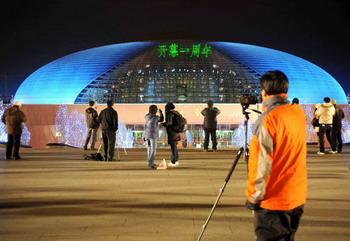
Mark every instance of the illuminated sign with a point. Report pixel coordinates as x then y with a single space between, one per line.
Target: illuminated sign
174 50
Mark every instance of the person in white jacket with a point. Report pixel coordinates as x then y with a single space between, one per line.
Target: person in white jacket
324 114
152 121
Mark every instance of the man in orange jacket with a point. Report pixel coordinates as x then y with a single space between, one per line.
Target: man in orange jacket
277 178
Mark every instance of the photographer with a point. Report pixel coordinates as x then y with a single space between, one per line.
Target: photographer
92 125
210 124
151 133
277 180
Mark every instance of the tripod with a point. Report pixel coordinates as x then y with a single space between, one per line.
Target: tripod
244 149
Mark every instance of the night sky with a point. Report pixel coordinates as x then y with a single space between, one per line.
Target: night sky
34 33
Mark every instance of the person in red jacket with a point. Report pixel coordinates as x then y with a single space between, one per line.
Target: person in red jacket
277 178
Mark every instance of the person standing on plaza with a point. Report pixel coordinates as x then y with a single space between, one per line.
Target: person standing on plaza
210 124
108 120
337 126
92 125
277 177
295 101
173 136
152 132
324 114
13 118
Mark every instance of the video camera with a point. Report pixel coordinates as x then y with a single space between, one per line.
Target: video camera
248 99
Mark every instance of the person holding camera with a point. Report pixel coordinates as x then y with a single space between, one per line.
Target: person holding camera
151 133
277 177
210 124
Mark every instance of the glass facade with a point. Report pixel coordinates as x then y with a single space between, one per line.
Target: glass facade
180 71
149 78
193 137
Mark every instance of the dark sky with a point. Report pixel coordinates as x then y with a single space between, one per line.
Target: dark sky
34 32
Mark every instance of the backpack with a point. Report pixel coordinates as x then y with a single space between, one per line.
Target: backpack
179 122
95 123
314 122
94 156
93 120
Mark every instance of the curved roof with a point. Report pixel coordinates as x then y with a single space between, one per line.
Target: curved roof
308 82
61 81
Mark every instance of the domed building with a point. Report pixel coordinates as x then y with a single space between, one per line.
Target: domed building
188 73
172 71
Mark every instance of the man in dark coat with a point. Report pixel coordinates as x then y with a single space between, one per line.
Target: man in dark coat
92 125
173 136
337 126
210 124
108 120
13 118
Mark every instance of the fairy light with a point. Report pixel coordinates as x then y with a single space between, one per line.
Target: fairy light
346 124
71 129
3 134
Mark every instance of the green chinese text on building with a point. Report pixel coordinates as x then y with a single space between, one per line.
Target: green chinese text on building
174 50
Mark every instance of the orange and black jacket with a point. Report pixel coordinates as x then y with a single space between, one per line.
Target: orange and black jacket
277 178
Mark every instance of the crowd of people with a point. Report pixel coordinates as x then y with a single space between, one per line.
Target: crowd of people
173 122
327 122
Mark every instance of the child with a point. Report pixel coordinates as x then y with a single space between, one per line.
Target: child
151 133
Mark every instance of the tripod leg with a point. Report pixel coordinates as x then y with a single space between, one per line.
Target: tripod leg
222 189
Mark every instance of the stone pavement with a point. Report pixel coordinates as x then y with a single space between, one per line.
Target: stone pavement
52 194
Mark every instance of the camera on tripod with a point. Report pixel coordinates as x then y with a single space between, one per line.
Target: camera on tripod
248 99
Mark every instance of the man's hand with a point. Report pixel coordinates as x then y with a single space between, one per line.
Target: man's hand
252 206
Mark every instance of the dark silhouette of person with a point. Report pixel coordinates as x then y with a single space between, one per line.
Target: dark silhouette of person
13 118
108 120
210 124
337 127
173 136
92 125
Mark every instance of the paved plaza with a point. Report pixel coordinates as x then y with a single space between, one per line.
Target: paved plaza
55 195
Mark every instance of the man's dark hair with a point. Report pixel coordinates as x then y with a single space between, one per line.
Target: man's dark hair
110 103
91 103
210 103
274 82
153 109
169 106
327 99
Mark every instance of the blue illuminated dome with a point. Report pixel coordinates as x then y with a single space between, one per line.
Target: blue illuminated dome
138 72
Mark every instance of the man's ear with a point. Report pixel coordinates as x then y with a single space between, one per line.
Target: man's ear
263 94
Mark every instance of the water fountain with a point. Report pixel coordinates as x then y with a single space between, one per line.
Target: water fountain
239 133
